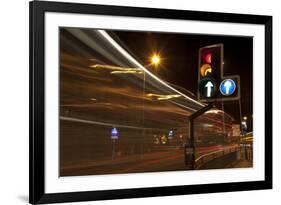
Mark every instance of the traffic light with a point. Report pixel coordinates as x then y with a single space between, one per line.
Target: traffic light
212 84
210 71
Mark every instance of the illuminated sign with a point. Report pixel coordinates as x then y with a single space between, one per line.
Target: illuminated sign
227 87
114 133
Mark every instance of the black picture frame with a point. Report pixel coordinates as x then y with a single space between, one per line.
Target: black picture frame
37 194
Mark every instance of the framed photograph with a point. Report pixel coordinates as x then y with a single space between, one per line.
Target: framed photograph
130 102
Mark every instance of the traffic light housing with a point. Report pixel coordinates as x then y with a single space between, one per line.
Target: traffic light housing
210 71
212 84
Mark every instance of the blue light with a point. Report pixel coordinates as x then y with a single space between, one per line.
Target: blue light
227 87
114 133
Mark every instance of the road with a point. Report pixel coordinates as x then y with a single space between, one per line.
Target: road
172 160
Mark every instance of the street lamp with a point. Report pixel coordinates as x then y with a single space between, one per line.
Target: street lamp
245 118
155 59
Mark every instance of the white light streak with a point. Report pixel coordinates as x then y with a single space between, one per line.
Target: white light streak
134 61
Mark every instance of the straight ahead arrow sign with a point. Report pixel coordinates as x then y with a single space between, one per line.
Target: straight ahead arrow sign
209 86
227 86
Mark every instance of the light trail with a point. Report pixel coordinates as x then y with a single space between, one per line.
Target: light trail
100 123
162 97
104 35
134 61
107 124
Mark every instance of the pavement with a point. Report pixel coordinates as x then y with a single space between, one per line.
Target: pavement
242 164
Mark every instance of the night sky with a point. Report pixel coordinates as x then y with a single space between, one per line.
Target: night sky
179 65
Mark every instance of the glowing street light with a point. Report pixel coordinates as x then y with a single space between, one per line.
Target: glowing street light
155 59
245 118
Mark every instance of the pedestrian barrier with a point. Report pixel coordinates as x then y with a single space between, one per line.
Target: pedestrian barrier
203 159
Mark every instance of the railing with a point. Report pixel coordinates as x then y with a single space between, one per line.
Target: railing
247 152
203 159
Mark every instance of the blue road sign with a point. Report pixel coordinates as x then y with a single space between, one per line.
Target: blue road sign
227 87
114 133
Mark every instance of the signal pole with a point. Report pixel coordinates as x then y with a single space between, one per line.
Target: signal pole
189 149
213 86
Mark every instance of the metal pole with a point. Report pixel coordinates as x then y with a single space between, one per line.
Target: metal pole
240 112
113 149
223 120
143 107
192 142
